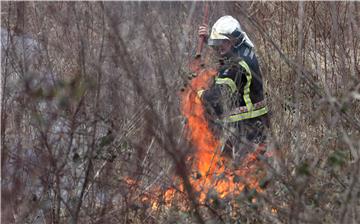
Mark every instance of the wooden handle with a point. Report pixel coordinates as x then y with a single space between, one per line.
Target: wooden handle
202 38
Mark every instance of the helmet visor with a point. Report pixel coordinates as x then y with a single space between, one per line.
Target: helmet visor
216 42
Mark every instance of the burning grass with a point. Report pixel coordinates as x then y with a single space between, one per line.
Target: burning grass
213 176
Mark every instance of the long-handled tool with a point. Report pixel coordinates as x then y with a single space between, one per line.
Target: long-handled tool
196 64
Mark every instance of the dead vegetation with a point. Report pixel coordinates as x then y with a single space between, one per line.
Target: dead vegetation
91 128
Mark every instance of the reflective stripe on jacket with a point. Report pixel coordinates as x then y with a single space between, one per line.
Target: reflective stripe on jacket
251 112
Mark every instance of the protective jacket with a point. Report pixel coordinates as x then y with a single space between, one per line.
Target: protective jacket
236 98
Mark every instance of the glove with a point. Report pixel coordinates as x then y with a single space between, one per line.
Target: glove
200 93
203 31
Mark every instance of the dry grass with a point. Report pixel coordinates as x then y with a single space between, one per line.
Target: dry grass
90 119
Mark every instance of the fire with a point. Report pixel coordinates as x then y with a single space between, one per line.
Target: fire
274 210
213 174
200 134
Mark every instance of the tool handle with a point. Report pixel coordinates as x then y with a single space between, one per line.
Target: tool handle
201 39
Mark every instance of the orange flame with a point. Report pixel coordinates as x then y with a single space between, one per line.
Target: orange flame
213 175
210 165
199 133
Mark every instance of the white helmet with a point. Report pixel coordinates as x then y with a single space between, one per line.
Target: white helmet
225 28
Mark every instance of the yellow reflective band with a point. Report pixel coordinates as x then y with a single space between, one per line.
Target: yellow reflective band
246 96
247 115
228 82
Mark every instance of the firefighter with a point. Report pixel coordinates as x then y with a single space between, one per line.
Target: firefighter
235 102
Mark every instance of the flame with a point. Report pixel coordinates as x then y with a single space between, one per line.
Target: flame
274 210
199 133
213 175
211 167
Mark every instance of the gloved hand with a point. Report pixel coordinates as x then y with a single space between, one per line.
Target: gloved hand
203 31
200 93
198 97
